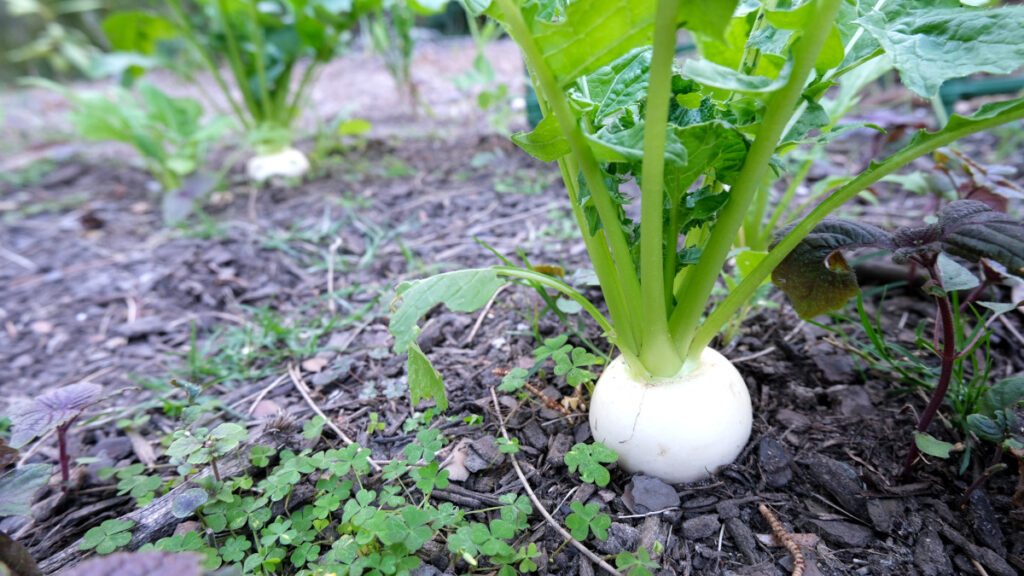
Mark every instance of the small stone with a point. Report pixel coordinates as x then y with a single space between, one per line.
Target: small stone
841 482
265 408
852 401
792 420
143 327
728 510
884 513
620 537
844 534
314 365
701 526
560 446
743 537
648 494
775 461
188 526
984 522
836 368
533 435
483 453
930 554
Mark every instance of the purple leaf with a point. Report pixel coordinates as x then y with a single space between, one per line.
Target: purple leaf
50 410
972 230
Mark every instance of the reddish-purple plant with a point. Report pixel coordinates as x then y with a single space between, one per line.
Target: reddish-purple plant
817 278
53 410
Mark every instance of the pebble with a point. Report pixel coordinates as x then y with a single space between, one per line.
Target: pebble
852 401
885 513
561 443
775 462
701 527
621 537
648 494
844 534
483 453
930 555
984 522
841 482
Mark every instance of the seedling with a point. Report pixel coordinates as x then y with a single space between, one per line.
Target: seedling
639 564
590 459
700 143
108 536
817 278
55 410
204 446
585 518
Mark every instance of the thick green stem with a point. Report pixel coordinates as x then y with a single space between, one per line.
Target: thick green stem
235 61
190 36
627 279
725 310
702 279
261 69
657 352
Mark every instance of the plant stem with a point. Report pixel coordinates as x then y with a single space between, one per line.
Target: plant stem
657 352
945 374
627 281
701 280
62 448
235 61
722 313
211 64
261 72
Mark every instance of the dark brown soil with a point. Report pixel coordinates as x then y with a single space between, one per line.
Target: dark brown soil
92 288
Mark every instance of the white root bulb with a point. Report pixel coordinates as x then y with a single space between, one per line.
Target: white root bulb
679 429
288 162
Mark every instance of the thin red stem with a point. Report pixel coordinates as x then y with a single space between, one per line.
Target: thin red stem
945 375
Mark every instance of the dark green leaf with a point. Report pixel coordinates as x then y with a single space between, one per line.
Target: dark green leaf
972 230
815 275
931 41
425 382
19 486
545 142
1004 394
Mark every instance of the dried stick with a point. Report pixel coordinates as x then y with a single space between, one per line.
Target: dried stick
483 314
779 531
332 306
540 507
300 385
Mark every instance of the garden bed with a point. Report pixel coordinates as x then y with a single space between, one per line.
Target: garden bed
92 288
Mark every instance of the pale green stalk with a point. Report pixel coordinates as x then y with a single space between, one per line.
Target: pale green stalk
627 282
725 310
657 353
701 280
261 73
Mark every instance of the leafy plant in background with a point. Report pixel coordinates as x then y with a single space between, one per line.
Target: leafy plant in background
53 411
264 44
51 38
168 133
817 279
700 143
204 446
493 96
390 27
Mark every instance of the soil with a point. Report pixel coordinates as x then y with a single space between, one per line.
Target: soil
94 289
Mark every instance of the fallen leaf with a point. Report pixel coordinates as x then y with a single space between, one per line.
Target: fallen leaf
314 364
142 448
455 464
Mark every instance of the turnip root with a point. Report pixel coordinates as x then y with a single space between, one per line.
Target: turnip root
288 162
680 429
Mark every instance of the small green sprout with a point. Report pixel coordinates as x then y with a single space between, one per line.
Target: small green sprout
589 459
108 536
585 518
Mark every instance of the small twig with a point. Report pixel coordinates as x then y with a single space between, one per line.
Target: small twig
300 385
978 567
779 531
18 259
755 355
483 314
332 306
646 514
266 391
1012 330
540 507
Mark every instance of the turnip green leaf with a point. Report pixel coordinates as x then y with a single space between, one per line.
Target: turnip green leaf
425 382
933 446
19 486
931 41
